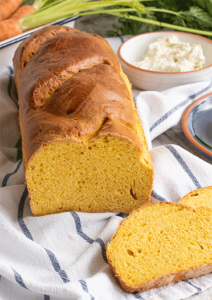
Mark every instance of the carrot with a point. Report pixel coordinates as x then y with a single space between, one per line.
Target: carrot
22 12
9 28
8 7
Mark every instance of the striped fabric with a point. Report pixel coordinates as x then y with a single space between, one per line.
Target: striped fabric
63 256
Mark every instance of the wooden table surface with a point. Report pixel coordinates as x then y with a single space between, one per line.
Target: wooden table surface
101 25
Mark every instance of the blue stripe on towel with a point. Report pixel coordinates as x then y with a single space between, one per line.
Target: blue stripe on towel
122 215
19 279
67 20
87 238
197 288
169 113
14 41
157 196
102 245
46 297
10 84
183 165
18 146
79 228
19 153
20 215
122 39
27 233
56 266
135 99
137 296
6 177
10 69
85 288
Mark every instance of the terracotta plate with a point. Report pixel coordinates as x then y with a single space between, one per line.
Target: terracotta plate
197 124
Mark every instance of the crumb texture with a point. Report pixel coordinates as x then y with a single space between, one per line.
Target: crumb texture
161 243
104 175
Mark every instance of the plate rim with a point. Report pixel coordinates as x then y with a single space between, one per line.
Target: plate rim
26 34
185 125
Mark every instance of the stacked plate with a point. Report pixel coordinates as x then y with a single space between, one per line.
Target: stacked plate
197 124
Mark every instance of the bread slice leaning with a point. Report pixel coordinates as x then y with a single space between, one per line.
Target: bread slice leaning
199 197
161 243
84 148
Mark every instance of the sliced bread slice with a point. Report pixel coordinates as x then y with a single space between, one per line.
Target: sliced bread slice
199 197
161 243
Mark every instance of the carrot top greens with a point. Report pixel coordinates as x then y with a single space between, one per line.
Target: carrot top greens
203 142
193 16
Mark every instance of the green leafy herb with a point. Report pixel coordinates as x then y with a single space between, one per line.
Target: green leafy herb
202 141
191 16
196 15
175 14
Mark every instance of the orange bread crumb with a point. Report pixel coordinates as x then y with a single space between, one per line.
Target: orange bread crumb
199 197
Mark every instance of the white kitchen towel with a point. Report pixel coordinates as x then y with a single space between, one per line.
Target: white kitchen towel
63 256
160 111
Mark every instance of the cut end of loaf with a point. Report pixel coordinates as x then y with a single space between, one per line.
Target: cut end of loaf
106 175
161 243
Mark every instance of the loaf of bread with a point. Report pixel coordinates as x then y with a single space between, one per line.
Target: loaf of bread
199 197
161 243
84 148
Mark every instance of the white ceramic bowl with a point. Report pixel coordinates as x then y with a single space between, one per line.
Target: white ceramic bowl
8 47
134 49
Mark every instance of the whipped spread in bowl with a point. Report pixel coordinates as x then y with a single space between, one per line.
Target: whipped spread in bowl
168 54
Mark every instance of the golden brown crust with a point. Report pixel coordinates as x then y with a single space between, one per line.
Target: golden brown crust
29 47
60 57
196 192
166 278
